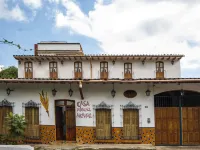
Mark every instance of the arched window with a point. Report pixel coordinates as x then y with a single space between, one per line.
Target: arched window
53 69
78 70
127 70
5 108
159 70
28 69
104 70
32 130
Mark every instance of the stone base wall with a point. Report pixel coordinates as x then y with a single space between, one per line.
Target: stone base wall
86 135
47 133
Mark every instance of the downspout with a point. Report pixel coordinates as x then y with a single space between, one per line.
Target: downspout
90 67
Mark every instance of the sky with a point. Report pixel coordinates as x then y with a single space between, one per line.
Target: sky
105 26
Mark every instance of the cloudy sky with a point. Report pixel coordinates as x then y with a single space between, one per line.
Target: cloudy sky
105 26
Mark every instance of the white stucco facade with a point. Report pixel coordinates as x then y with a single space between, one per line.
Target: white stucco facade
66 70
94 94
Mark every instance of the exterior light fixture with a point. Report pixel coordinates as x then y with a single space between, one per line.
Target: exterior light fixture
70 91
113 61
19 62
8 91
172 62
113 92
62 62
182 92
143 62
148 120
148 92
40 62
54 92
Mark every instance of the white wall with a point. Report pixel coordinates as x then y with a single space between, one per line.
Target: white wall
58 46
139 70
94 94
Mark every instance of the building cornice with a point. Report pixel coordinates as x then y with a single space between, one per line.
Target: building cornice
164 57
63 81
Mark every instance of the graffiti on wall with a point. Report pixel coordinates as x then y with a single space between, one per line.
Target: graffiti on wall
83 109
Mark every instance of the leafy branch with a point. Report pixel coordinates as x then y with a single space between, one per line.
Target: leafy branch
11 43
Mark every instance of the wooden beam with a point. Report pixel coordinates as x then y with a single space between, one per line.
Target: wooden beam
81 93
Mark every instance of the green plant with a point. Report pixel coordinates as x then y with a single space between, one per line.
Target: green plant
16 125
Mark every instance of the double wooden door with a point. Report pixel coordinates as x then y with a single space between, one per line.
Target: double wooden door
167 125
103 124
191 125
131 124
65 120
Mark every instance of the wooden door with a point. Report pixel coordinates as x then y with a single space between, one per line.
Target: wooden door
167 126
103 124
3 113
191 125
130 124
70 124
59 123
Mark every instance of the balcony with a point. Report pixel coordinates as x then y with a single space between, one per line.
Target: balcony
160 74
103 75
78 75
53 75
128 75
29 75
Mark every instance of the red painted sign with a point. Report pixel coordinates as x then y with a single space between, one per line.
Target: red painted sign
83 110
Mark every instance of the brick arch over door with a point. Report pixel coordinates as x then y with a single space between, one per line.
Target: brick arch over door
177 118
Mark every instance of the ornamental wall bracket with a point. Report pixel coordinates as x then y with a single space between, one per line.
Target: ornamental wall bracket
130 105
102 105
31 104
5 102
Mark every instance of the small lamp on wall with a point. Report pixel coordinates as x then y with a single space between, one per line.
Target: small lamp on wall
143 62
54 92
148 92
113 92
8 91
172 62
182 92
148 120
70 91
113 61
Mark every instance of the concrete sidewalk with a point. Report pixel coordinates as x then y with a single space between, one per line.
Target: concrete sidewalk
72 146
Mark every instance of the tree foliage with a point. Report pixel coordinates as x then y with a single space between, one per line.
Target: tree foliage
11 43
16 125
11 72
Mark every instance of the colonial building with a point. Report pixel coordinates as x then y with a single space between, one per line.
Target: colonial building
71 96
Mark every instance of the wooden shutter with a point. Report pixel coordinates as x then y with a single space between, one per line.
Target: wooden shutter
28 69
128 71
53 70
3 113
32 118
104 70
131 123
159 70
78 70
103 124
